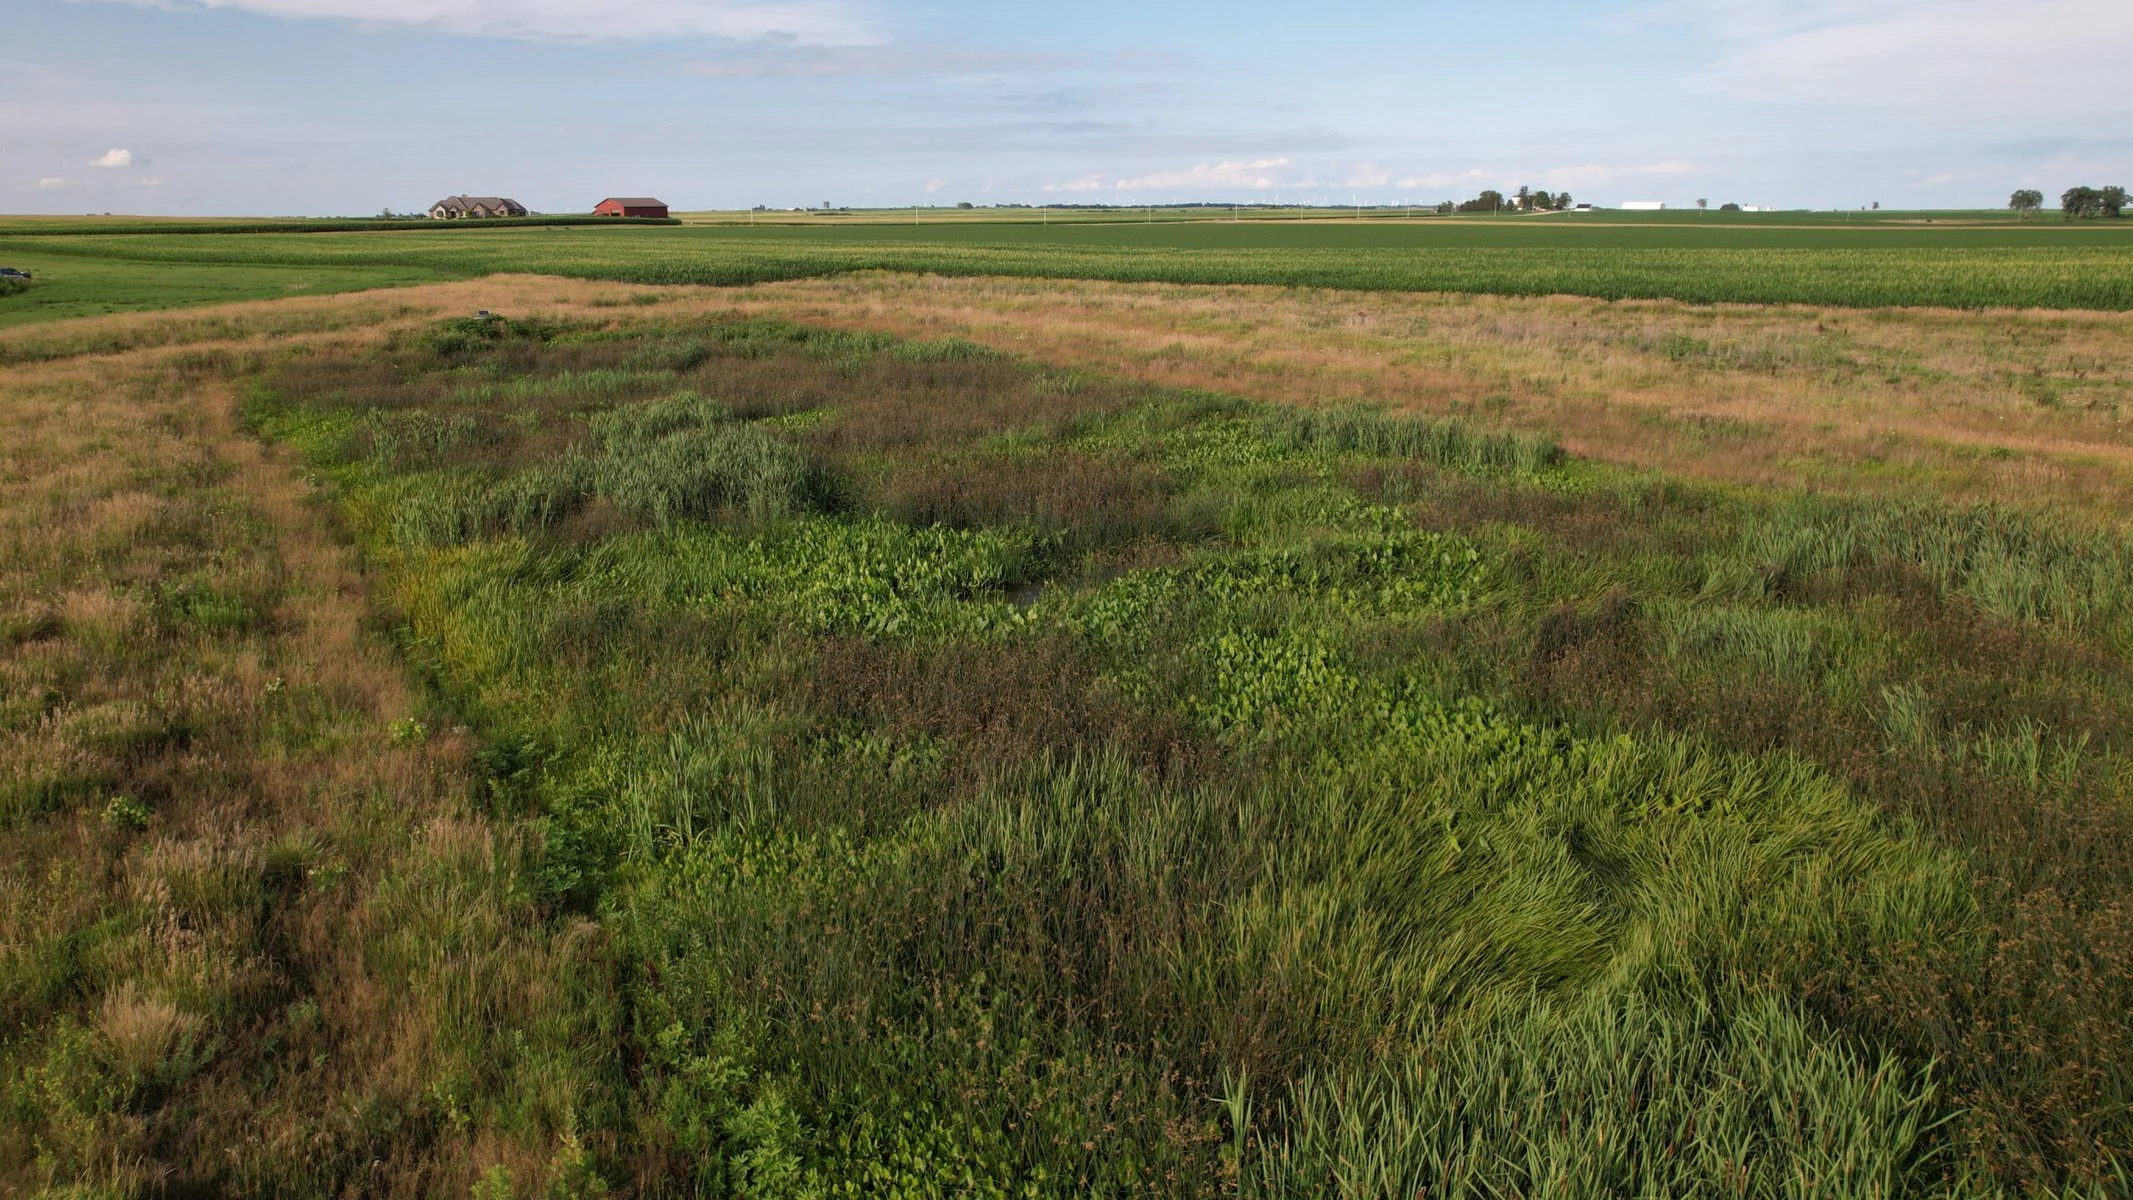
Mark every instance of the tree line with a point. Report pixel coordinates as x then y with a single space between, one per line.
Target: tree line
2076 202
1527 200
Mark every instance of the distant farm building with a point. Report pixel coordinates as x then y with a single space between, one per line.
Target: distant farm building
631 206
454 208
1643 205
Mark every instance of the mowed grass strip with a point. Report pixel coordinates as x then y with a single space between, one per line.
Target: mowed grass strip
255 936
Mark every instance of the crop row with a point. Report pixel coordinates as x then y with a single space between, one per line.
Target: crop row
2092 273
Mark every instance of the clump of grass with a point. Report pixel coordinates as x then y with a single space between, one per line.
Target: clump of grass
700 471
1089 502
1626 1097
1449 444
2011 564
152 1042
459 335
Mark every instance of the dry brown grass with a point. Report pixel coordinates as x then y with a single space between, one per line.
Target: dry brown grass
222 873
2024 407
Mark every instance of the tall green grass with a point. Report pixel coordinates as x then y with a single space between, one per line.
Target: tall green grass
1232 802
1628 1098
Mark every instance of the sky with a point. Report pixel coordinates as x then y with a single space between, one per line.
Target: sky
351 107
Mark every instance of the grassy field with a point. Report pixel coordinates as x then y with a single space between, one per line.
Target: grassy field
838 764
1712 258
77 286
1223 214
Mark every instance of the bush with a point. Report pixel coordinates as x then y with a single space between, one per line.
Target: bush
460 335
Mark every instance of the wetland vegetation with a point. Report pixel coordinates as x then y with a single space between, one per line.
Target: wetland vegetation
684 754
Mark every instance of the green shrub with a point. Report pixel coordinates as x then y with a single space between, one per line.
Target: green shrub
461 335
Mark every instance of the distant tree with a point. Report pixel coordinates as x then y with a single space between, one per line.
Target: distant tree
1562 199
2081 202
965 204
1543 200
1701 204
1729 206
2026 201
1447 208
1488 201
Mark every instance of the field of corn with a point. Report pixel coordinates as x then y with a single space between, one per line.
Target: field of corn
2081 265
917 772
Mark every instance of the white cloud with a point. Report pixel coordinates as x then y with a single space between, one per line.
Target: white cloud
934 185
1087 183
1933 55
1593 175
1554 179
1369 175
783 58
1475 177
1251 176
813 22
117 159
50 184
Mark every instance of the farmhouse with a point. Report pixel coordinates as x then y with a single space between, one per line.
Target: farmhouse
1643 205
453 208
631 206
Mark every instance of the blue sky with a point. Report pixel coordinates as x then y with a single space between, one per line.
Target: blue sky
349 106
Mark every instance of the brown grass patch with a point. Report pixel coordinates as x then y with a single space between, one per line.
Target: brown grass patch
2026 407
213 890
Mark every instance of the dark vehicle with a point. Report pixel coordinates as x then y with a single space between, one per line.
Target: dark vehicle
12 273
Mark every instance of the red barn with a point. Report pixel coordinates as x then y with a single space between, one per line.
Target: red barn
631 206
